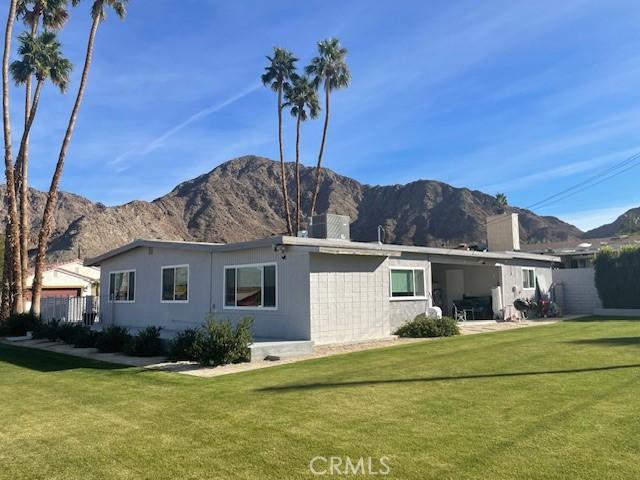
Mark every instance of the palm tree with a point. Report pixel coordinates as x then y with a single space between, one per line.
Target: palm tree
278 75
54 15
501 202
12 218
302 99
330 70
40 57
98 14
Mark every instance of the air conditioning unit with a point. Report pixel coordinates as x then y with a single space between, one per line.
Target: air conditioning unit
330 226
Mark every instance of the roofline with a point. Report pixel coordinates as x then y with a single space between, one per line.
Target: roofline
315 242
96 261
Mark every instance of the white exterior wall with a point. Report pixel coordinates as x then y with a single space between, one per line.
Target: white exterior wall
512 284
576 290
350 297
206 291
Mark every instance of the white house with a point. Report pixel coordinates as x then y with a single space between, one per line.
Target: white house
322 290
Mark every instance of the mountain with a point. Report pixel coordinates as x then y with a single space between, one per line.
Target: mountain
240 200
628 222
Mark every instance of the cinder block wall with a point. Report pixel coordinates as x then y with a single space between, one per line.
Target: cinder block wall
579 290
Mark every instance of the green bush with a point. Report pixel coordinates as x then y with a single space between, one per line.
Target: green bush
617 278
67 332
48 331
423 326
18 324
85 338
147 343
220 343
113 339
181 347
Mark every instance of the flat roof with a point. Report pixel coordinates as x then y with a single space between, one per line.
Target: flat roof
320 245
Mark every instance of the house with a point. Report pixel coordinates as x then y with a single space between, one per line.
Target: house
67 279
324 290
575 277
62 284
581 253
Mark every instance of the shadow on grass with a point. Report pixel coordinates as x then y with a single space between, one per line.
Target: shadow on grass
43 361
358 383
615 341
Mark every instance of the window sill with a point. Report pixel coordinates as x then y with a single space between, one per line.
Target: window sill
406 299
258 309
174 301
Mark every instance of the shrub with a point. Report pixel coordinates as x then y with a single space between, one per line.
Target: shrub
85 338
220 343
68 331
423 326
617 277
47 330
113 339
146 344
19 324
181 347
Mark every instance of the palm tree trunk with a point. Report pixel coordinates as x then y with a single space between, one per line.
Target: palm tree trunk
5 305
324 138
22 167
283 180
47 216
12 230
298 122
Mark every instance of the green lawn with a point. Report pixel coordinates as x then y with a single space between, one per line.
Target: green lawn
559 401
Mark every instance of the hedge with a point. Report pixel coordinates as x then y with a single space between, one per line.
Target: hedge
618 277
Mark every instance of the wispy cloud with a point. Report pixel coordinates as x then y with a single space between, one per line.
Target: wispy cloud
160 140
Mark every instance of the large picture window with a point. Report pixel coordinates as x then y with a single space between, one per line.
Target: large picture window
407 283
250 286
528 278
122 286
175 283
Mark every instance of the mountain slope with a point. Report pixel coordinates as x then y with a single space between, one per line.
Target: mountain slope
628 222
240 200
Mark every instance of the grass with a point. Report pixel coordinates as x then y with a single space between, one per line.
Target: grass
558 401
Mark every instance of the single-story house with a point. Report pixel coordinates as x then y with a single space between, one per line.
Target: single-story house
324 290
66 280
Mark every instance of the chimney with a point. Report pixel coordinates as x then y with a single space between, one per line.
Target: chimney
503 232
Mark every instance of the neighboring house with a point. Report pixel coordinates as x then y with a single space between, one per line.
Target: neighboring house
320 289
68 279
575 279
581 253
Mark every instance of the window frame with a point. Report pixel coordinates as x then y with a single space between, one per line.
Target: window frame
248 265
525 275
174 267
135 286
414 297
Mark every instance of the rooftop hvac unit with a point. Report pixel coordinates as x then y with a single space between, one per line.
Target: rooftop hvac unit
330 225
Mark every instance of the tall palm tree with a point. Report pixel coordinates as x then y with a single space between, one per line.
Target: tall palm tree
330 70
302 99
54 15
41 57
12 218
98 14
278 75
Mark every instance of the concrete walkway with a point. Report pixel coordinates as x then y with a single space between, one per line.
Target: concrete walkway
196 370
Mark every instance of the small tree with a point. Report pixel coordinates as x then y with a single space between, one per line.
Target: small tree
500 202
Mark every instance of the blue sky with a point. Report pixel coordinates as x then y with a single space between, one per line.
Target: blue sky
526 98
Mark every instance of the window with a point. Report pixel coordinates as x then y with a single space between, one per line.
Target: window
175 283
122 286
528 278
250 286
407 283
